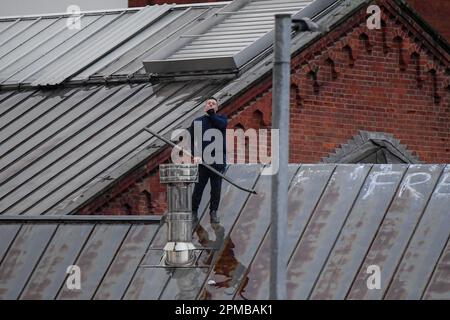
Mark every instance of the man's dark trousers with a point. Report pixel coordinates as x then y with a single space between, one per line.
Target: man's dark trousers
216 185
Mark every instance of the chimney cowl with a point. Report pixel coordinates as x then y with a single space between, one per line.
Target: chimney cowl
179 250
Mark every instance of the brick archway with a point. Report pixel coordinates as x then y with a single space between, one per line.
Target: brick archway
372 147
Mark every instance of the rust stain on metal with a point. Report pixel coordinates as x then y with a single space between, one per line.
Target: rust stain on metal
358 232
439 286
230 269
257 280
22 258
336 223
126 262
95 259
426 245
396 229
244 240
320 234
51 271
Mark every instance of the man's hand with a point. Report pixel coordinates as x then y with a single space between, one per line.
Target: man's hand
197 160
210 105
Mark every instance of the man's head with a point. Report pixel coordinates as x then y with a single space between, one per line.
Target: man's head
211 104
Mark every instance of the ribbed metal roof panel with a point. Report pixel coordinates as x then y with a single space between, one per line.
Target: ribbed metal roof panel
54 144
92 48
24 62
41 50
127 59
27 62
341 220
35 264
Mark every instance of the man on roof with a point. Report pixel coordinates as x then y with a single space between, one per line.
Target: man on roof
206 133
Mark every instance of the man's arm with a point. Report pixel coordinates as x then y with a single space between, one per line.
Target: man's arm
219 121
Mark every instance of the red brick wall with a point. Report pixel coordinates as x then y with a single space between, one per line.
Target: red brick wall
436 13
138 193
385 82
352 79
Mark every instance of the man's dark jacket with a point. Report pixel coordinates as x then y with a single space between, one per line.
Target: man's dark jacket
212 121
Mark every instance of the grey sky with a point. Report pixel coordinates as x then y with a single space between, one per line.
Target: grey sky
27 7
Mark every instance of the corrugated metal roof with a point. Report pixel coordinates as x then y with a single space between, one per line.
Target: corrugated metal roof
231 37
34 266
40 51
342 219
43 50
57 144
127 60
98 44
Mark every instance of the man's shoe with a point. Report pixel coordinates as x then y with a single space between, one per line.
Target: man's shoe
213 217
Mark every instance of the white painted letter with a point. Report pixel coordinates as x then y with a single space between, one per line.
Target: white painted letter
444 186
374 182
407 185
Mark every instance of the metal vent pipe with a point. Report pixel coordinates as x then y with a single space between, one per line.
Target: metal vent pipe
179 250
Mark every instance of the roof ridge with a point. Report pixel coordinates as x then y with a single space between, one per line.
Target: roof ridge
109 11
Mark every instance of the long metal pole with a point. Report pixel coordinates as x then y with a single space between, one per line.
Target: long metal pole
204 164
280 183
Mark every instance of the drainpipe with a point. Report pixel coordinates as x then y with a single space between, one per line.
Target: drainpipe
179 178
280 183
280 121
